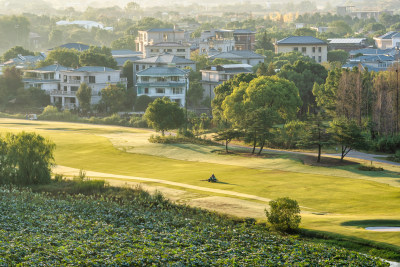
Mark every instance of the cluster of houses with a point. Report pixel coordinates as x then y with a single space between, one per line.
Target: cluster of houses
161 62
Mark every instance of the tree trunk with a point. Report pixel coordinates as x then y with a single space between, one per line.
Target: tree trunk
262 145
226 146
343 150
162 132
319 153
255 143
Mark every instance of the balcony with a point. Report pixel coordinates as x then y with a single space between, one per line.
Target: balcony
62 93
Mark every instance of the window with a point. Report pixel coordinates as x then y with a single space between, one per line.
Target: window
167 50
65 88
109 78
154 50
161 79
177 91
295 49
313 49
65 78
143 67
319 59
174 78
145 78
160 90
146 91
304 49
137 67
319 49
181 50
178 101
92 79
74 88
313 57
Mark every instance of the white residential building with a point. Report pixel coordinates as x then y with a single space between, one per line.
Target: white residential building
95 77
217 40
177 49
216 75
307 45
168 82
241 56
46 78
155 36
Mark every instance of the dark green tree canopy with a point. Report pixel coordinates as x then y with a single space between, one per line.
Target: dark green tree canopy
304 74
164 115
15 51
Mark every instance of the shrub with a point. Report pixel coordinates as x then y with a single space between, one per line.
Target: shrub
26 158
284 214
370 168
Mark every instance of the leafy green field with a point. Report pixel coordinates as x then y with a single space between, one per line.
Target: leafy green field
38 229
329 197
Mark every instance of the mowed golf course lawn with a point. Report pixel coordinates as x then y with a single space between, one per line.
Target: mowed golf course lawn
338 200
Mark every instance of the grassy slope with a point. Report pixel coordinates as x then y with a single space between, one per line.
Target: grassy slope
342 199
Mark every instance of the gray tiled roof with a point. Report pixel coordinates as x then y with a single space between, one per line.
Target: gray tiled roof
243 31
388 35
121 60
124 52
238 54
166 58
300 40
162 71
93 69
168 44
54 67
164 30
77 46
373 51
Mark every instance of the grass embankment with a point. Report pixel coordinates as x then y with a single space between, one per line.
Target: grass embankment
330 197
131 227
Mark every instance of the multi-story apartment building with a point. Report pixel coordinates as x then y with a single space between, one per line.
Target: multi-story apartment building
177 49
156 82
218 40
155 36
307 45
216 75
46 78
240 56
244 39
96 77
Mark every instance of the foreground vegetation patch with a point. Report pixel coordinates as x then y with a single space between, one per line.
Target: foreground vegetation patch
85 230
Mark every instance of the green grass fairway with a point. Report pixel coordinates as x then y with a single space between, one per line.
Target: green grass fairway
331 197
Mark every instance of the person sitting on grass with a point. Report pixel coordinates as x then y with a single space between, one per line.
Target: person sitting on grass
212 178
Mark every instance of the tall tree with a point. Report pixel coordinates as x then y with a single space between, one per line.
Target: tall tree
113 97
264 42
304 75
84 95
164 115
258 105
317 134
63 56
347 134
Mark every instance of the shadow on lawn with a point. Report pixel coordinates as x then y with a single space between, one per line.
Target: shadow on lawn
371 223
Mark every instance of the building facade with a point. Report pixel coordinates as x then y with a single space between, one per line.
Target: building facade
155 36
244 39
218 40
46 78
216 75
173 48
168 82
307 45
96 78
240 56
